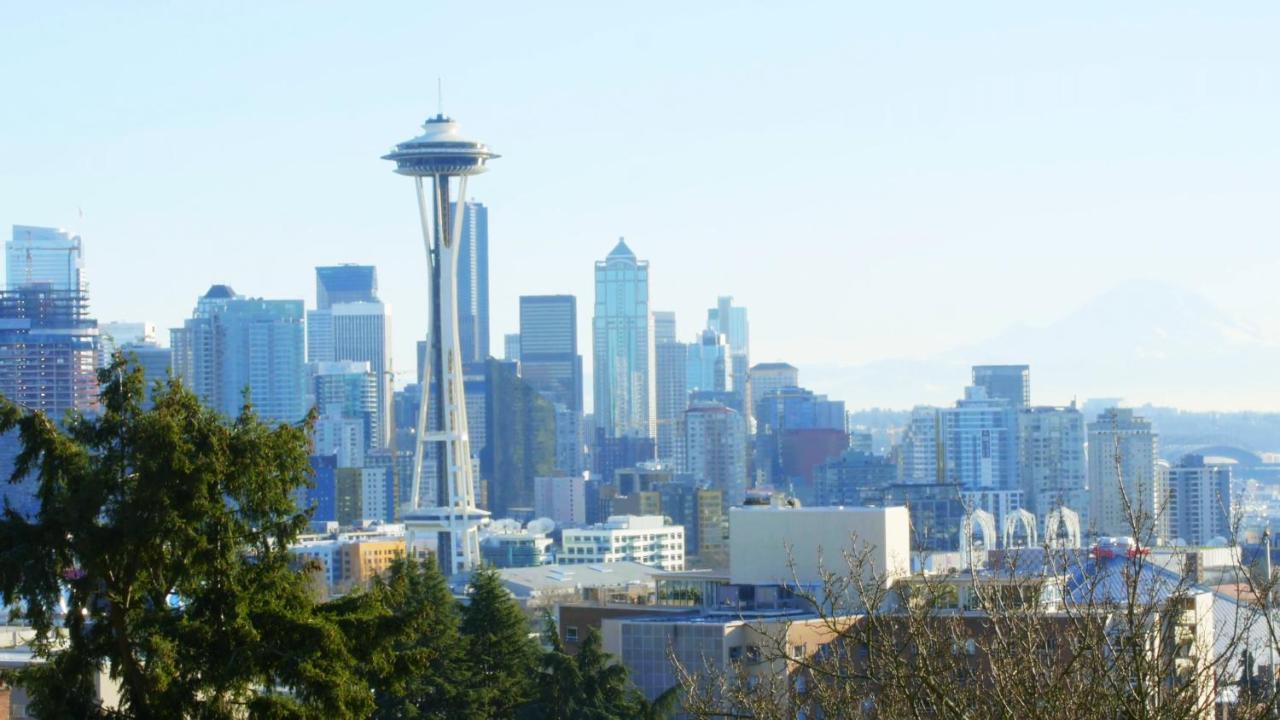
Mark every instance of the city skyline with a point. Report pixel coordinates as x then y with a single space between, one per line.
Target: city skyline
1135 132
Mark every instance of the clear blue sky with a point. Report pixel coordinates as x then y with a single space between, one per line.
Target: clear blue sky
872 180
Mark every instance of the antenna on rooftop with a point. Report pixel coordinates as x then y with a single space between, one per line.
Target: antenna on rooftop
439 95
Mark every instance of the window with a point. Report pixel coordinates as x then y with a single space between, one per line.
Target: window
571 633
797 651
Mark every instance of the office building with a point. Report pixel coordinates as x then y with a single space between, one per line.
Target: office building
856 478
156 363
520 440
473 282
645 539
511 347
563 499
347 390
348 283
671 380
512 548
44 256
1199 502
350 323
919 461
708 364
767 378
1051 460
713 450
731 322
1126 497
611 454
1010 383
979 442
233 343
937 511
551 364
115 335
48 358
623 355
664 326
797 429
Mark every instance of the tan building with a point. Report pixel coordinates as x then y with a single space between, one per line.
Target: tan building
361 561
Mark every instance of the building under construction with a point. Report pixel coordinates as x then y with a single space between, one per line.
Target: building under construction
48 349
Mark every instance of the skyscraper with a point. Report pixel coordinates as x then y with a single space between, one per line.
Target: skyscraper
350 323
1199 501
708 364
549 359
979 442
233 343
918 454
731 322
40 255
671 384
48 358
347 389
473 282
550 363
336 284
1051 459
713 449
770 377
623 347
1010 383
1125 492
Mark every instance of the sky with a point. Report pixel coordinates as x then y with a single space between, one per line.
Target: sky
871 180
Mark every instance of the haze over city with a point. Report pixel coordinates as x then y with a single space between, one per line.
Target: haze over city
875 182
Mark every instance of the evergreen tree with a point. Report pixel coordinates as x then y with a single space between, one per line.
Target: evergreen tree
405 634
501 658
167 532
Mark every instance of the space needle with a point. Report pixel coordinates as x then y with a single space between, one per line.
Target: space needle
438 155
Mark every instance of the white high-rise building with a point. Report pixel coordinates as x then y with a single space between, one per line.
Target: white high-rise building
918 461
44 256
1199 508
1051 460
645 539
979 442
713 449
671 379
623 369
1125 491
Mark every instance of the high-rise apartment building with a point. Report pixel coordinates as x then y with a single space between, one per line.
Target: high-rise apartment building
44 256
473 282
979 442
1051 460
1125 492
919 460
233 343
350 323
769 378
623 347
347 389
1199 501
713 449
1010 383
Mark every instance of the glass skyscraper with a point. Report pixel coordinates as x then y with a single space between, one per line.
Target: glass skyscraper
48 256
623 355
473 283
550 363
232 343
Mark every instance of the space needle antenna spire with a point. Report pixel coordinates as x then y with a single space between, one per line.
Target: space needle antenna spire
445 507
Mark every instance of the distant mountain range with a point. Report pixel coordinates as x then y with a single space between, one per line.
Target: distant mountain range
1144 342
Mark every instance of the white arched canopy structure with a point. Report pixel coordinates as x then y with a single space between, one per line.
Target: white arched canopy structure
1025 520
1062 528
985 524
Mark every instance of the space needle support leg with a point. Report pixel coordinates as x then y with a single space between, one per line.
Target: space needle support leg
424 380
